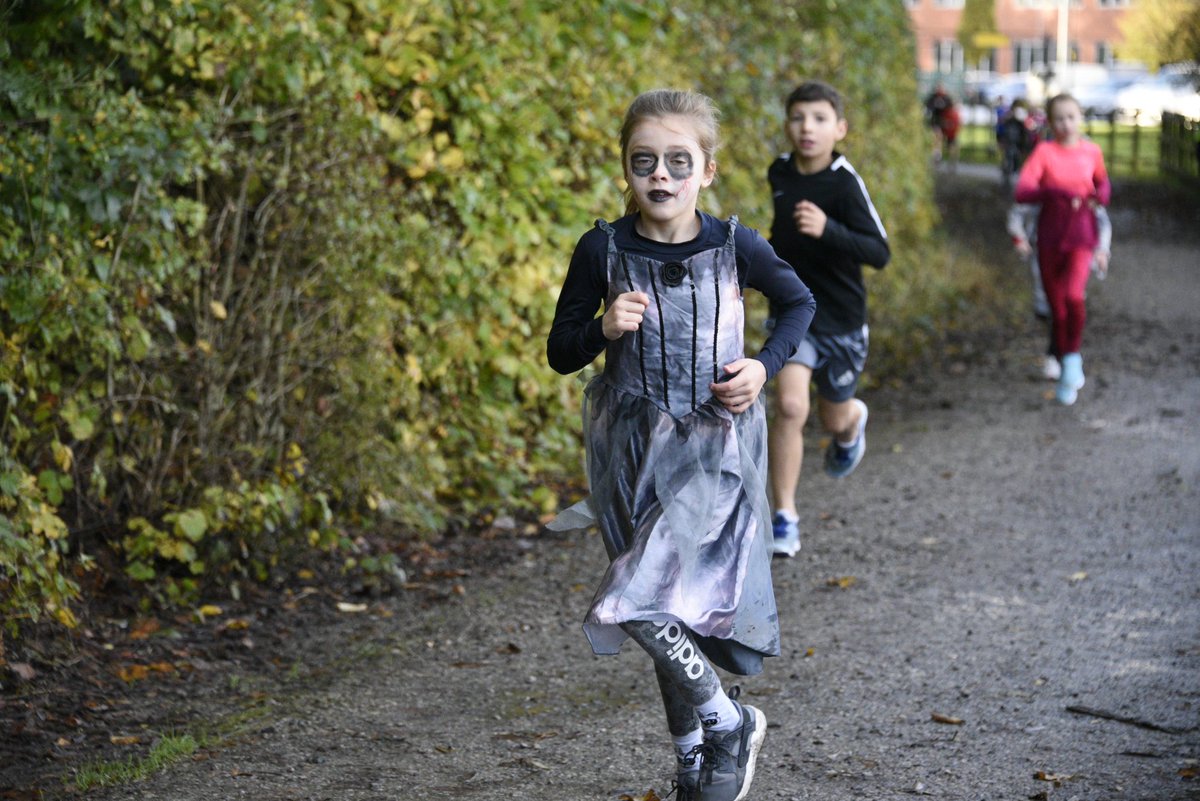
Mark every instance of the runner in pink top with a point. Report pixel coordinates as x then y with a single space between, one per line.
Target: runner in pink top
1067 177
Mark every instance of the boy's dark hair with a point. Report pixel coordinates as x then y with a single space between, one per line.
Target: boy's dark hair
811 91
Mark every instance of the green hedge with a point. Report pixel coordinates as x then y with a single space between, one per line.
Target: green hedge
279 272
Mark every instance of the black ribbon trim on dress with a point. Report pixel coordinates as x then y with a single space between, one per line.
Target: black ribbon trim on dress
695 333
717 318
662 340
641 353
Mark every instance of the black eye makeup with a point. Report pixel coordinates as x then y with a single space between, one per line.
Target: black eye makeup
680 164
643 164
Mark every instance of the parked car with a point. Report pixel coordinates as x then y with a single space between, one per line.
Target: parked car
1144 101
1008 88
1099 99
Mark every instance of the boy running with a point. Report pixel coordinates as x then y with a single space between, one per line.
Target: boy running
826 228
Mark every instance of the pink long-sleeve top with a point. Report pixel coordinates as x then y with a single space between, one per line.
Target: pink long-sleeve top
1063 180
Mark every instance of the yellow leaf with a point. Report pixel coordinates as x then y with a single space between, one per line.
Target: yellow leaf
204 346
346 607
218 310
391 126
1075 578
126 740
424 120
412 366
63 457
210 610
452 159
65 617
132 673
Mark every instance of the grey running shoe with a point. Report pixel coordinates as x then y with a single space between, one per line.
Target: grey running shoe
687 779
841 461
727 758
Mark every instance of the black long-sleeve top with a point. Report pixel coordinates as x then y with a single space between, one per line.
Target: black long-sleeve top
577 335
854 235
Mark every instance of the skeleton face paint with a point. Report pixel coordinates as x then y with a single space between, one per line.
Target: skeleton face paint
666 169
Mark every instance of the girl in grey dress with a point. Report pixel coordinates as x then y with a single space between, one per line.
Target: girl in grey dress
675 434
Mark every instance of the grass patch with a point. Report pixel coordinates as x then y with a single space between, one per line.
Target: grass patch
166 750
1129 151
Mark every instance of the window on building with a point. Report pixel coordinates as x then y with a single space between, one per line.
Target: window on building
1104 54
947 56
1032 54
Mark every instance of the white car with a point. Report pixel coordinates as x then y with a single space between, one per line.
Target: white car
1145 100
1099 99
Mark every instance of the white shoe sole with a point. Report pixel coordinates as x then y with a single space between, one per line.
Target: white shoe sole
785 547
756 741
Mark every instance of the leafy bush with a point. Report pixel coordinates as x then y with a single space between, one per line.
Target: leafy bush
274 271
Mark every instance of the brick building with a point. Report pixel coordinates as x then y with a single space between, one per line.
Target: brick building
1028 33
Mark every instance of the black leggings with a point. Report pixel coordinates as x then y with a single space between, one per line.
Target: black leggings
685 677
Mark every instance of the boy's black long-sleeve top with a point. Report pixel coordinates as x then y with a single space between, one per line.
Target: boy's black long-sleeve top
854 235
577 336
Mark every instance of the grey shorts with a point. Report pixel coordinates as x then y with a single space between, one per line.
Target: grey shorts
836 361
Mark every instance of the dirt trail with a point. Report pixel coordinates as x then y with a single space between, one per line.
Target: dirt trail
998 559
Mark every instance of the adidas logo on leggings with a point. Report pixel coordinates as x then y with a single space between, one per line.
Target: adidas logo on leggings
682 650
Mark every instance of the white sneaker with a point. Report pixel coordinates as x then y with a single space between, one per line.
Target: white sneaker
1051 369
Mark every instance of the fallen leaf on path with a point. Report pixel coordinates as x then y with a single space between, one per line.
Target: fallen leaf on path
1075 578
24 671
342 606
1187 774
1054 778
210 610
937 717
131 739
145 629
841 582
131 673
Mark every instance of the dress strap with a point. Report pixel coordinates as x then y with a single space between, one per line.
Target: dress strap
607 228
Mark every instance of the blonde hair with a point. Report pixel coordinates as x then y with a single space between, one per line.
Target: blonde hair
659 103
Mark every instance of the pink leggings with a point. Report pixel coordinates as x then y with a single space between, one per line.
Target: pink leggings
1065 277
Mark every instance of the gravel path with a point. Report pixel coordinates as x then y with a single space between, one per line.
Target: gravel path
1028 572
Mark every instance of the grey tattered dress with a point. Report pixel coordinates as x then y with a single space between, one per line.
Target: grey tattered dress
677 480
